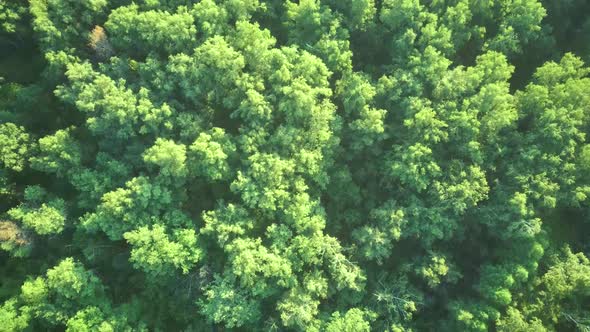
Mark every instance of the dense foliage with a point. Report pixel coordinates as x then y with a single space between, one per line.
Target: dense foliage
311 165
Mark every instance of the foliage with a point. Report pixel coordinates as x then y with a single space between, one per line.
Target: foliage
312 165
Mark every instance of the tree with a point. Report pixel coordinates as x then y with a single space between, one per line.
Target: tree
10 15
130 28
210 155
226 304
15 145
159 254
42 218
14 240
353 320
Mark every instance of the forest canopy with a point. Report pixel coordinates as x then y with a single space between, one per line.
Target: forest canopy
311 165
